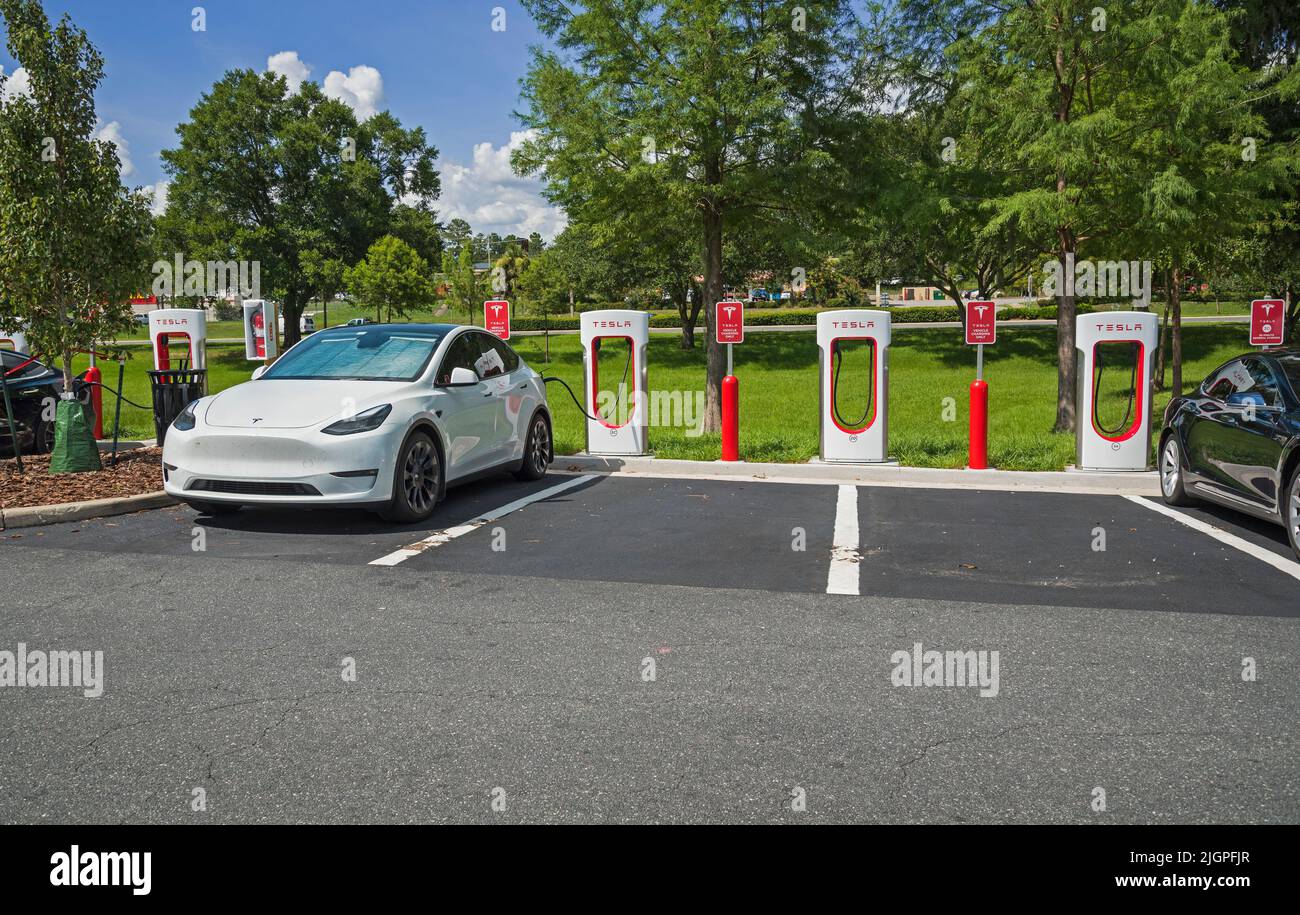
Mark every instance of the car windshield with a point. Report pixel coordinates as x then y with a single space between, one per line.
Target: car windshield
364 354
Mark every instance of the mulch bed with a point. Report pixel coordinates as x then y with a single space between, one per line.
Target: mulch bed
138 471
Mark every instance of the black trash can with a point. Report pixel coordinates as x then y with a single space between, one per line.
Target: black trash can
173 391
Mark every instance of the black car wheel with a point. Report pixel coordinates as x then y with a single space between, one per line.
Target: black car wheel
537 450
1291 512
1171 472
43 440
417 481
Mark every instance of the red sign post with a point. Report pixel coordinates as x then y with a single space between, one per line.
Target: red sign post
981 328
729 325
1267 320
981 323
729 328
496 317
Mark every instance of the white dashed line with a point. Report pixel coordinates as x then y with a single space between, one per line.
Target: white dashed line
449 534
843 575
1281 563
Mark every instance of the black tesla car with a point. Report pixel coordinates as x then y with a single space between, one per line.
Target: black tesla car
34 389
1236 441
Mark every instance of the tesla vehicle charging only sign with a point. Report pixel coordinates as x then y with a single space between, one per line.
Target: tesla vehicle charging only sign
729 323
1266 321
981 323
496 317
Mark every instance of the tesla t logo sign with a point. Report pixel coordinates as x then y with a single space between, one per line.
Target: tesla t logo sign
729 325
981 323
1267 316
496 317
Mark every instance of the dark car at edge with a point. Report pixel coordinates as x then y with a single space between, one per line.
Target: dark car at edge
1235 441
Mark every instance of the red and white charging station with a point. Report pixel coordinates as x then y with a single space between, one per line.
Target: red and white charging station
1124 343
613 433
846 435
170 326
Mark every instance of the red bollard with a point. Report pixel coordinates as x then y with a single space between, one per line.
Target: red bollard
93 378
979 425
731 418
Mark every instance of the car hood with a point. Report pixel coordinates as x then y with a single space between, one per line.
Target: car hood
272 403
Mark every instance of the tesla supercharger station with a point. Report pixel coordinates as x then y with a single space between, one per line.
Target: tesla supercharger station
613 433
857 432
1120 346
174 325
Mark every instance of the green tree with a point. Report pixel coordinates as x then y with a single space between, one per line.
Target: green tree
465 289
74 243
715 108
264 175
392 277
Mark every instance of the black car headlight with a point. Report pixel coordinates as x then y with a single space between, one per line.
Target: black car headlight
185 422
362 422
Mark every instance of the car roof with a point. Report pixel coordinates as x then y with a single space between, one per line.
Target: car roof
430 329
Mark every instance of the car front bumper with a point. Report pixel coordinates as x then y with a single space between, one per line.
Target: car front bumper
280 466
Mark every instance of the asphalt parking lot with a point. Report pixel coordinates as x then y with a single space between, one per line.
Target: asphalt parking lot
593 648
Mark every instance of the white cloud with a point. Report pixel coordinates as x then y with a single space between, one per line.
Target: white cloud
492 198
289 65
362 89
18 83
112 132
158 191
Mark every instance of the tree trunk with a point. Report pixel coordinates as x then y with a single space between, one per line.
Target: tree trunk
1176 320
715 361
1066 367
1158 383
687 319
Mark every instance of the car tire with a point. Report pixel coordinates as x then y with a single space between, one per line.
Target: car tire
43 437
417 481
538 452
1171 472
1291 512
213 508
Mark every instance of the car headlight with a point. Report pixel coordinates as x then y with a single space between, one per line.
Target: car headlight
185 422
362 422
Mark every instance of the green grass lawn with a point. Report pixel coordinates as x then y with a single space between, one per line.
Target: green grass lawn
778 392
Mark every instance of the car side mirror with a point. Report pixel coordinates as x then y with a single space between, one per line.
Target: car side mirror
461 377
259 372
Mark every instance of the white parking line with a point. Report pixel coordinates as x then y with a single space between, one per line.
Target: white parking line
843 575
451 533
1281 563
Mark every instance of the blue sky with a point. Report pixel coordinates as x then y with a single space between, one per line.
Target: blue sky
434 63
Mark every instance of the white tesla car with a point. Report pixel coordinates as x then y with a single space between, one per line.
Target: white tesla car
383 416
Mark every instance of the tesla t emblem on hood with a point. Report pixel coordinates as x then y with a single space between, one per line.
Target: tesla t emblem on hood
257 419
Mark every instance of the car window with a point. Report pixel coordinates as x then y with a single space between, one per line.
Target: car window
488 361
460 355
379 354
11 360
508 356
1232 378
1290 364
1265 382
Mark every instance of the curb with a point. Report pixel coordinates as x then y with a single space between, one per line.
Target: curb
38 515
1145 483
